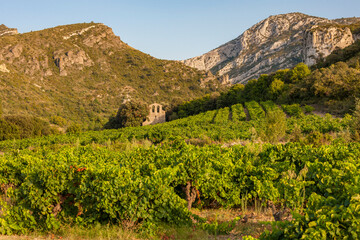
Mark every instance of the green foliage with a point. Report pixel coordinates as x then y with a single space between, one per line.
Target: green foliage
308 109
338 81
238 113
255 110
74 128
8 130
130 114
293 110
87 185
17 126
58 121
220 125
217 228
275 126
276 88
356 116
299 73
333 210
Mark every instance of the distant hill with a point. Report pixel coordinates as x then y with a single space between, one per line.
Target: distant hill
278 42
83 72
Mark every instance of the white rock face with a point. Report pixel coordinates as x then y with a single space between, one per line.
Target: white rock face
277 42
320 42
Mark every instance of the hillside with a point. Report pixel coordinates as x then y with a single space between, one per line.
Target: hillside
278 42
331 85
83 72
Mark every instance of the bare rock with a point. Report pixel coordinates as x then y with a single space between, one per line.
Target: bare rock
10 53
3 68
5 31
71 59
278 42
321 41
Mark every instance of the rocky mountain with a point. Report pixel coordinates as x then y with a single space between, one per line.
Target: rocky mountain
5 31
277 42
83 72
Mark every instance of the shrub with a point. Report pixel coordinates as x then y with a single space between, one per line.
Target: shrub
74 128
308 109
29 126
293 110
8 130
58 121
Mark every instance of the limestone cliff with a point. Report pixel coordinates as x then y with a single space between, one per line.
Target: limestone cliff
320 41
277 42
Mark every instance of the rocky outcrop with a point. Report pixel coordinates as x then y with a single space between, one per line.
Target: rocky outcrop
77 59
33 56
10 53
321 41
277 42
3 68
5 31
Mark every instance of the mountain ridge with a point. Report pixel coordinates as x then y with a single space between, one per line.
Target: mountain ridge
83 72
279 41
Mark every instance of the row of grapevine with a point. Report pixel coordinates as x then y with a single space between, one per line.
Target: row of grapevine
238 113
255 110
270 106
214 125
87 185
222 116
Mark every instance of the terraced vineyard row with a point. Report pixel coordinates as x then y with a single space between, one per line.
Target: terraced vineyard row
218 125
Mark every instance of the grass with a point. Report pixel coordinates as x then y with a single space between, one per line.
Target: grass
257 224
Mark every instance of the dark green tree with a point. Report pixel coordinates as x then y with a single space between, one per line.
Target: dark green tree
299 72
130 114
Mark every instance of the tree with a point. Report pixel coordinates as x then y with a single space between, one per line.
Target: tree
299 72
276 88
130 114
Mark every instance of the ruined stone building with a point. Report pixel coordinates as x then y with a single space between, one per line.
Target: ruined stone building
156 114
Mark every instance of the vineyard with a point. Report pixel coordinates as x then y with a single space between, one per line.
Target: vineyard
221 125
96 178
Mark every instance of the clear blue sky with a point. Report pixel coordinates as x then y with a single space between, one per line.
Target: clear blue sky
167 29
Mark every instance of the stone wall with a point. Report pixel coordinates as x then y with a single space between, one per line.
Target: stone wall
156 114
